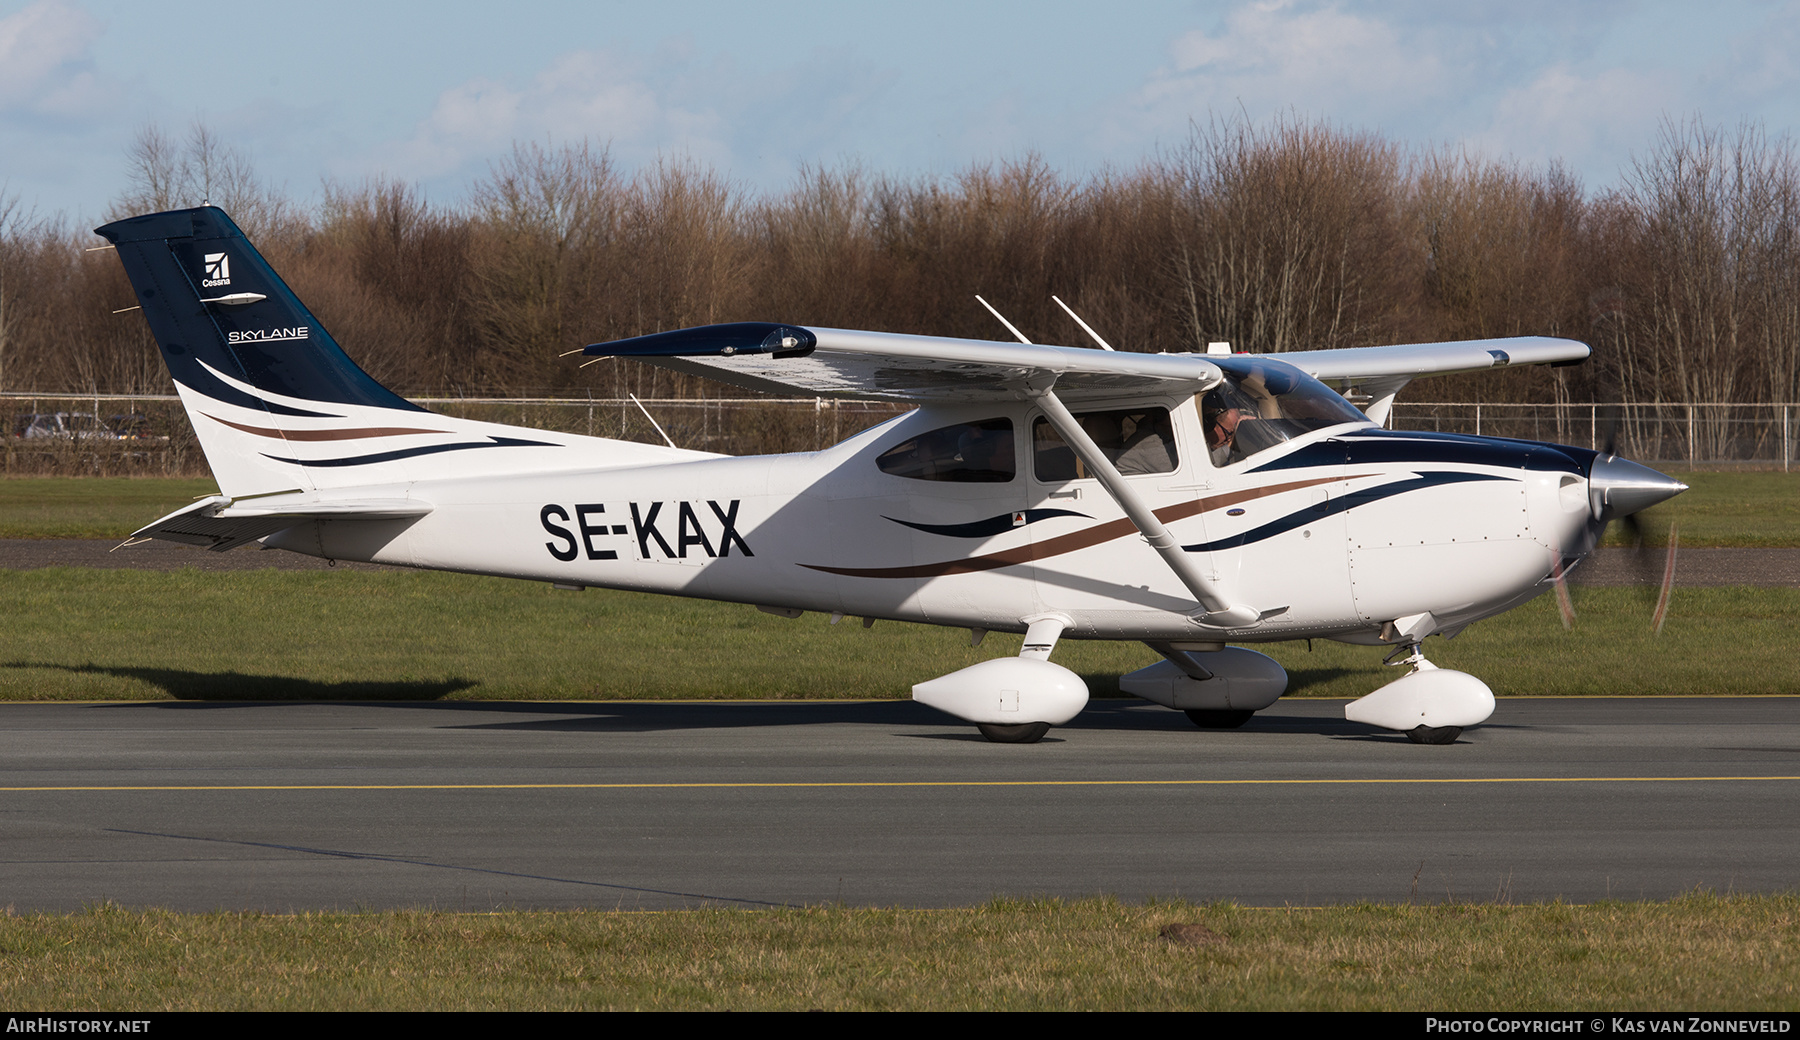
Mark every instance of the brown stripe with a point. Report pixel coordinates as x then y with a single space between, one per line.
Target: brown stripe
322 435
1069 543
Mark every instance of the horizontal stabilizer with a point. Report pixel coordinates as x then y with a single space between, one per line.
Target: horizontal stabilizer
219 524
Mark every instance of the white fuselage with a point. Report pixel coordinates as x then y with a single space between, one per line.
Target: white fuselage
1333 534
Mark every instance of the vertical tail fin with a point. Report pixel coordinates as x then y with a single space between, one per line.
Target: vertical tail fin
277 405
243 350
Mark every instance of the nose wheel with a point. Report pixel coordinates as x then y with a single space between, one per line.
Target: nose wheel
1431 705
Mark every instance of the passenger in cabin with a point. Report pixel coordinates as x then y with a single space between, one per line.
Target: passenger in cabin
1146 444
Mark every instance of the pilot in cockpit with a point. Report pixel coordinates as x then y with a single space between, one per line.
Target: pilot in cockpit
1221 421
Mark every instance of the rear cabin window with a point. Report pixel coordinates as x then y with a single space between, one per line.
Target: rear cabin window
967 453
1136 440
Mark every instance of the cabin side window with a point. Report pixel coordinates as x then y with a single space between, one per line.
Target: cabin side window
1135 440
969 453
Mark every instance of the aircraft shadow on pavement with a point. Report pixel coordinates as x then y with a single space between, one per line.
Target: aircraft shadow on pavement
236 686
906 717
914 719
220 689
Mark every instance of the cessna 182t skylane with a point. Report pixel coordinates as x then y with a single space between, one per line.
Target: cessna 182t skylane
1188 501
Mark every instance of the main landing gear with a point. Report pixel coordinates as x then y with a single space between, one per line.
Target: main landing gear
1217 686
1207 718
1013 700
1023 733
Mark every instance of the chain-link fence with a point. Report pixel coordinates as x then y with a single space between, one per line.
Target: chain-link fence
1749 436
115 434
120 435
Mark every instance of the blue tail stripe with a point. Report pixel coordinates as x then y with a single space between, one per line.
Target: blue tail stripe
408 453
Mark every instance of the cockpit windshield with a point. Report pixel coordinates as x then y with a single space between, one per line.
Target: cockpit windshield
1264 403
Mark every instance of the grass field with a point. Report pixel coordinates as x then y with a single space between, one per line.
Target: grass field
1721 509
1759 510
77 634
1696 953
91 507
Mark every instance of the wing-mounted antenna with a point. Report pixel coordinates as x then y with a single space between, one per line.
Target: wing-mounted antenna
1010 327
1085 327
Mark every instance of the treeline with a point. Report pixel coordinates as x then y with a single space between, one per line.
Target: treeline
1685 278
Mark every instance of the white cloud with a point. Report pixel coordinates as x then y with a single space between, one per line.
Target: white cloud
45 66
603 97
1276 55
1589 120
1585 85
671 102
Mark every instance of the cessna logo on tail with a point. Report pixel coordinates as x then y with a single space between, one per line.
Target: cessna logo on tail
218 270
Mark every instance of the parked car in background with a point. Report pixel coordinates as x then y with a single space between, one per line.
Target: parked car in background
69 426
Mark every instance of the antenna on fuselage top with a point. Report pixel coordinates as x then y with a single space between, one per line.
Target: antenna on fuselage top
1009 325
650 417
1085 327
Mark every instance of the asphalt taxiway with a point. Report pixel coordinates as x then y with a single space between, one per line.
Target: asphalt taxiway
478 806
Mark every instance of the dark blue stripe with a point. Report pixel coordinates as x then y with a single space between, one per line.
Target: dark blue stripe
225 392
1315 513
1401 447
407 453
993 525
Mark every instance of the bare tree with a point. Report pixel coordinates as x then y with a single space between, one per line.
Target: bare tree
202 170
1292 239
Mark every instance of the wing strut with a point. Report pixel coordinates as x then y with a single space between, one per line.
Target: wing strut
1219 611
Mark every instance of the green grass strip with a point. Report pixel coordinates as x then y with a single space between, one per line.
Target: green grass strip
91 507
1701 952
80 634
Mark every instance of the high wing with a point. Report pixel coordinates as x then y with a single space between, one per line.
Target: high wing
889 367
1412 360
1379 373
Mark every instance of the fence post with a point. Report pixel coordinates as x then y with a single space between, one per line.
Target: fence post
1477 420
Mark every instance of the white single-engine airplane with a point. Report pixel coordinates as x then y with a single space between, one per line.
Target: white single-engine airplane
1188 501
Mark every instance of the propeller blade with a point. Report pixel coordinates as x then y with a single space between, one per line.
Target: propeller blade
1610 442
1668 583
1564 604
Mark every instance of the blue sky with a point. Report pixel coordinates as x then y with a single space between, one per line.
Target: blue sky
432 93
